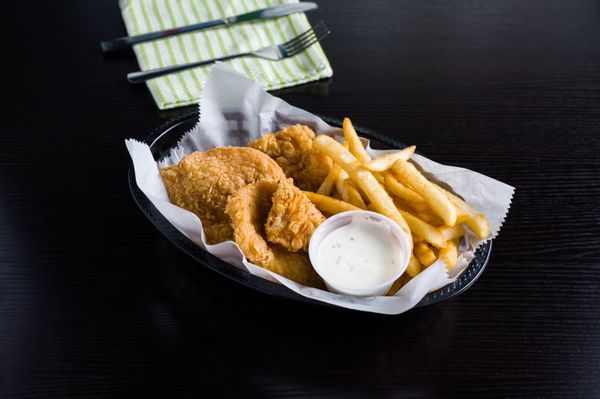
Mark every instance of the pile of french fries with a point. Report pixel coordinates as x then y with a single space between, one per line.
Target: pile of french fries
430 215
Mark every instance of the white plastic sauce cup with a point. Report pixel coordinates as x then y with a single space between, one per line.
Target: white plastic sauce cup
341 219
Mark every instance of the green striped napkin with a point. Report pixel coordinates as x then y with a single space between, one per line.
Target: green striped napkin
185 87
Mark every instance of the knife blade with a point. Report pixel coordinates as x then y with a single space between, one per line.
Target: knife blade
264 13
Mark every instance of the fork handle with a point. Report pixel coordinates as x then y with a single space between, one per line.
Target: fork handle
142 76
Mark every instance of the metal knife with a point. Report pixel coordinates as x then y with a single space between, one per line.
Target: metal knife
265 13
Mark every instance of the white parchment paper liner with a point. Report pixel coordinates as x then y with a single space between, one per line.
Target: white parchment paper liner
235 110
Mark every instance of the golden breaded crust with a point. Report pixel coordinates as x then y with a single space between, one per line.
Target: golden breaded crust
248 210
292 149
292 219
202 183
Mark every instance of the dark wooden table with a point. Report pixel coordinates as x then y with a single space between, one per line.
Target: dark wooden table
94 302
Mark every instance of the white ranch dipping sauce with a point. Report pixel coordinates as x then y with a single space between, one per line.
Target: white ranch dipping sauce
360 254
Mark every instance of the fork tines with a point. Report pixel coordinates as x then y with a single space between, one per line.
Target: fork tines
305 39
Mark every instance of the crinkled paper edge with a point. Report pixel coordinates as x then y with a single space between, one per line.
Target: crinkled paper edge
436 276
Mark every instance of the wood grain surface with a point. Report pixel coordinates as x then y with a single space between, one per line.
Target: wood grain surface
95 302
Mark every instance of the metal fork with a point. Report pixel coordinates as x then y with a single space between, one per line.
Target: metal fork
275 52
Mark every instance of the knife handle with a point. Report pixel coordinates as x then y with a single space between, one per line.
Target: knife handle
128 41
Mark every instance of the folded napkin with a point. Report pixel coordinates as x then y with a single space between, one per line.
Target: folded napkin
184 88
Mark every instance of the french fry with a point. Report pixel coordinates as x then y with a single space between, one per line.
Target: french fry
371 207
400 281
480 224
476 220
450 233
356 147
360 191
355 197
339 184
424 216
379 177
347 191
362 178
449 254
420 208
456 200
386 161
329 205
425 254
435 220
438 202
400 190
424 230
326 186
461 215
430 217
414 266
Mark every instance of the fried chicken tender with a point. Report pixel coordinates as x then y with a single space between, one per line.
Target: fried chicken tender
202 183
292 149
248 209
293 218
